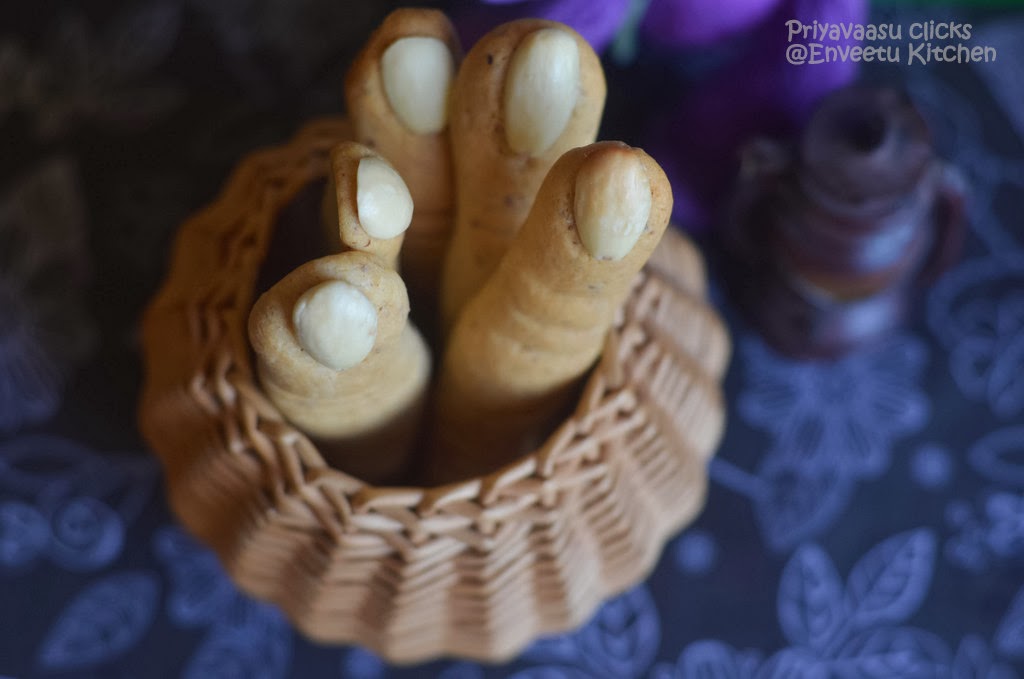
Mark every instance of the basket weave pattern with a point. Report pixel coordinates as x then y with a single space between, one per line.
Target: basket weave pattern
476 569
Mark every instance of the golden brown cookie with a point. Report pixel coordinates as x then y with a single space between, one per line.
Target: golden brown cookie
397 92
336 354
525 94
366 206
521 345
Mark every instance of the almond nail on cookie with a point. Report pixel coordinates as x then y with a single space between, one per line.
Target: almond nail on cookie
337 355
366 206
525 94
521 346
397 93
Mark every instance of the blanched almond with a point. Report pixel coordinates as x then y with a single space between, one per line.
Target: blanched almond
417 74
382 199
541 90
612 203
335 324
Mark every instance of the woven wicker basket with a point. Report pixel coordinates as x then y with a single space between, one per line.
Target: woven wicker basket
476 569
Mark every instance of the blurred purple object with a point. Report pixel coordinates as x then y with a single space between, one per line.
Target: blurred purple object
696 138
698 23
697 131
596 20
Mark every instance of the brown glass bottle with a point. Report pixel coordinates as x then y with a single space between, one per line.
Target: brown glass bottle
830 236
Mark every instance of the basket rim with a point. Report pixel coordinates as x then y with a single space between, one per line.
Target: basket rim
304 154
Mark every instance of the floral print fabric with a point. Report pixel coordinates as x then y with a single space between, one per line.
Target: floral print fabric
865 517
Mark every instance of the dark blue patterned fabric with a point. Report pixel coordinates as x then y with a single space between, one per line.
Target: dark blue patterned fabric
865 517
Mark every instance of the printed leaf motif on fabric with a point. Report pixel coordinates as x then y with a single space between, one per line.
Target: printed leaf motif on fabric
838 631
1002 78
999 456
359 663
64 501
258 646
243 637
991 175
891 653
1010 635
622 638
889 582
974 660
833 425
103 621
798 501
810 598
991 529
